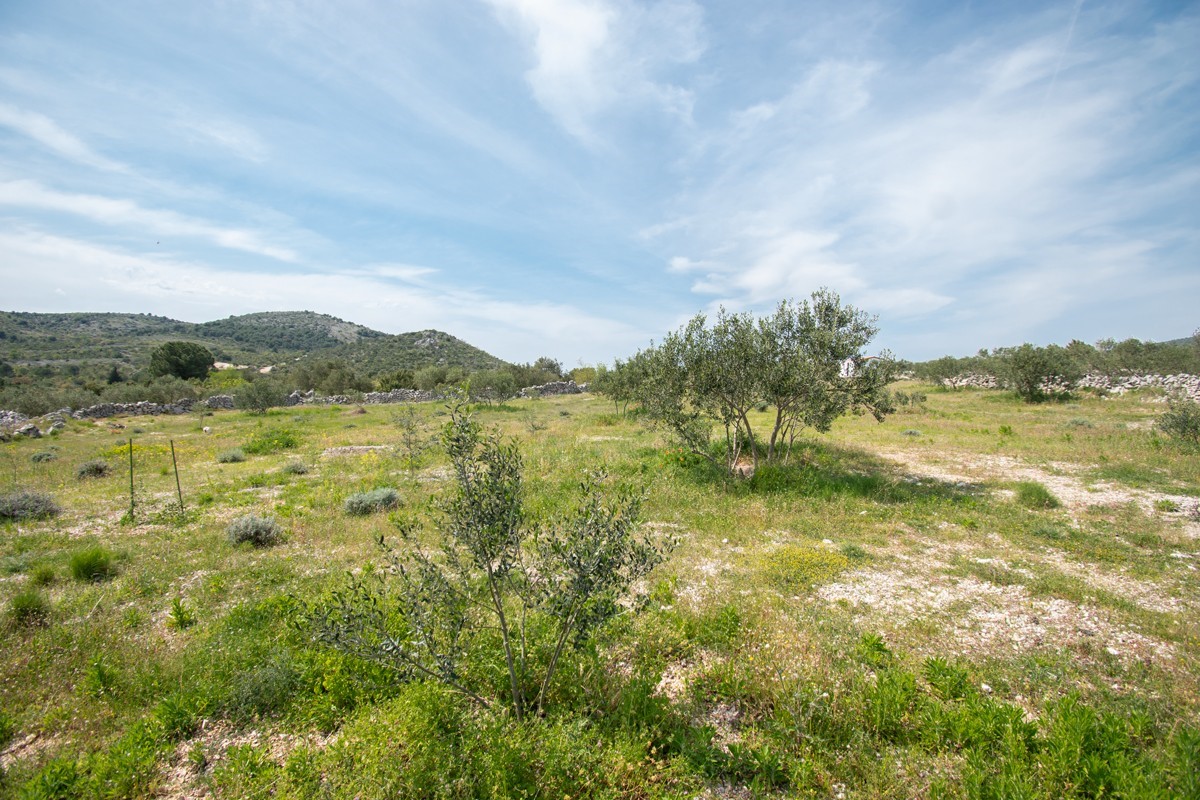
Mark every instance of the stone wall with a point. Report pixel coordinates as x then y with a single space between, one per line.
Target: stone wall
1186 386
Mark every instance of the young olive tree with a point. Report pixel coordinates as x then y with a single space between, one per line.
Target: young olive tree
805 360
496 584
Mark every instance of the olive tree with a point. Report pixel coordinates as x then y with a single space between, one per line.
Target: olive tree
501 594
806 360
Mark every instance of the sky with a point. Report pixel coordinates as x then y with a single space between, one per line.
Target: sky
575 178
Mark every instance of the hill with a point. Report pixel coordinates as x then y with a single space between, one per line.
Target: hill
414 350
78 345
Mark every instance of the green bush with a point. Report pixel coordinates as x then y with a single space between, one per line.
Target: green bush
271 441
22 504
181 360
29 608
364 503
96 468
1181 422
295 468
234 456
1032 494
260 395
43 456
258 531
93 565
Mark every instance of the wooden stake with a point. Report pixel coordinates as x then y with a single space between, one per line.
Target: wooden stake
175 464
131 479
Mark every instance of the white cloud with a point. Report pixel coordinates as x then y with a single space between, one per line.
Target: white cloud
118 280
50 135
27 195
593 55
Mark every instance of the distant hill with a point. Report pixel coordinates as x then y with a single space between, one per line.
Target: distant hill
412 351
286 331
90 340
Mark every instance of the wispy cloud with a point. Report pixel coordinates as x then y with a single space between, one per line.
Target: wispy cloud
392 298
50 135
148 223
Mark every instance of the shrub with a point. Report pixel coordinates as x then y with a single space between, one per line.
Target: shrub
93 564
295 468
1181 421
364 503
234 456
181 360
43 456
96 468
1037 373
259 395
271 441
29 608
258 531
1032 494
23 504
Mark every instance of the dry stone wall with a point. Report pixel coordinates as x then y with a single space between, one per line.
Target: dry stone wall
1185 386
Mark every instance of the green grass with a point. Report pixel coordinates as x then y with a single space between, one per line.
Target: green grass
738 672
1032 494
93 564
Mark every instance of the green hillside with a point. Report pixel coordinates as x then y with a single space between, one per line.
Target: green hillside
83 339
414 350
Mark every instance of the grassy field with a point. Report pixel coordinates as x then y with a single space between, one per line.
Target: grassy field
975 598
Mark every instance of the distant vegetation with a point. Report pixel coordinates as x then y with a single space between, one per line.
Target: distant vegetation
1105 357
52 361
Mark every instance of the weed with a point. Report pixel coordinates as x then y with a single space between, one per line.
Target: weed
8 729
100 680
233 456
258 531
1032 494
96 468
1079 422
364 503
1167 506
93 564
271 440
1007 430
29 608
873 651
795 568
180 616
43 456
912 432
23 504
295 468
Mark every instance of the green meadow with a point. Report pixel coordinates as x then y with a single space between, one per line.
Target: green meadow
975 598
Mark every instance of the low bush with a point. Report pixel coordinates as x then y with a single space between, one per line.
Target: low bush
1032 494
258 531
271 441
1181 422
795 568
295 468
364 503
43 456
234 456
22 504
96 468
29 608
93 565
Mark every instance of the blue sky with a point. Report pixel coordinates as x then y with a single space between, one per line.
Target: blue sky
573 178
